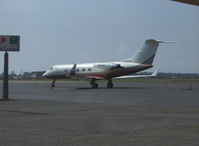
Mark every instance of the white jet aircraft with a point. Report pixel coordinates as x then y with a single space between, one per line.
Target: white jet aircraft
92 72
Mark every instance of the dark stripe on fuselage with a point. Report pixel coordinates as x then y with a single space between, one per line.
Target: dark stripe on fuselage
149 61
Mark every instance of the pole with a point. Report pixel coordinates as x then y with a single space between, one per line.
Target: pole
5 77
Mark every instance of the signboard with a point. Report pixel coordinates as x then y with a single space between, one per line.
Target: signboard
9 42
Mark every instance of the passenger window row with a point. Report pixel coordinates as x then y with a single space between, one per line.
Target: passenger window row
78 70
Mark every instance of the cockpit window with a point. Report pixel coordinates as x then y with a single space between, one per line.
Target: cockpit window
51 68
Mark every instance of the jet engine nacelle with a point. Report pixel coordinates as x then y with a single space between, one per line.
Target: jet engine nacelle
115 66
110 66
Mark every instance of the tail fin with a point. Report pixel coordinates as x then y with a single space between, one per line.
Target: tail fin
147 52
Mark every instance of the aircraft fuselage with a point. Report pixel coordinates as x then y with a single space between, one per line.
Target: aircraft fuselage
99 71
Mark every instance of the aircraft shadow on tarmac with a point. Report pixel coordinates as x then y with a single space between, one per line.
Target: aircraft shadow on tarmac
115 88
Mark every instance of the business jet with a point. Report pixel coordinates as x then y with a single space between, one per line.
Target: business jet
92 72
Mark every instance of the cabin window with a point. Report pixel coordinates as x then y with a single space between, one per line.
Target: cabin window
89 69
83 69
77 70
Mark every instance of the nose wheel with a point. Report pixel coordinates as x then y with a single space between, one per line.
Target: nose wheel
53 84
110 84
93 84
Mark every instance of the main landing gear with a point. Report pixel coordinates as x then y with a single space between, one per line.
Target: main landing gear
109 84
93 84
53 83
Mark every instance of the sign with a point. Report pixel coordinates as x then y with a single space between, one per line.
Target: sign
9 42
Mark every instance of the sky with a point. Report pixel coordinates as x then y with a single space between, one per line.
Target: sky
81 31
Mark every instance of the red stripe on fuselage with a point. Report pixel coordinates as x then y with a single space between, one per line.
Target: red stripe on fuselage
97 75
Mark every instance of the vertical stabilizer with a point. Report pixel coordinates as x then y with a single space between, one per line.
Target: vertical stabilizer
146 53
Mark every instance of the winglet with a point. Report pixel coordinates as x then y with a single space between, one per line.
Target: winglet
155 72
73 70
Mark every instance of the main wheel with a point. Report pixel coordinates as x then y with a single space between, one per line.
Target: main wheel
94 85
53 83
109 85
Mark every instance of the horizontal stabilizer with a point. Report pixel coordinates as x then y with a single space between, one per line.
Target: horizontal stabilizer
140 76
167 41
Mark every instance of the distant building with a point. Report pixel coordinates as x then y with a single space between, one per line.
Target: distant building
33 75
37 74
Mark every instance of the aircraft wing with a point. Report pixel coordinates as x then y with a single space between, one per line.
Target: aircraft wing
94 77
192 2
140 76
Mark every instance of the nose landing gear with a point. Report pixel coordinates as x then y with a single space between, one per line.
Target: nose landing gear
53 84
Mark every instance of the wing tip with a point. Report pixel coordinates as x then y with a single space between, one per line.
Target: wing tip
156 72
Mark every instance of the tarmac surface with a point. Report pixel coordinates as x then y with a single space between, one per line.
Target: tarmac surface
73 114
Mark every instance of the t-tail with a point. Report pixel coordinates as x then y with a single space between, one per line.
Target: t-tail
146 54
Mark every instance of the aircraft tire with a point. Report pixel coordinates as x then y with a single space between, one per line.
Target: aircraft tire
95 85
109 85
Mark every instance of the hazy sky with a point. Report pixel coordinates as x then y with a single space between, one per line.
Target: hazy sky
77 31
